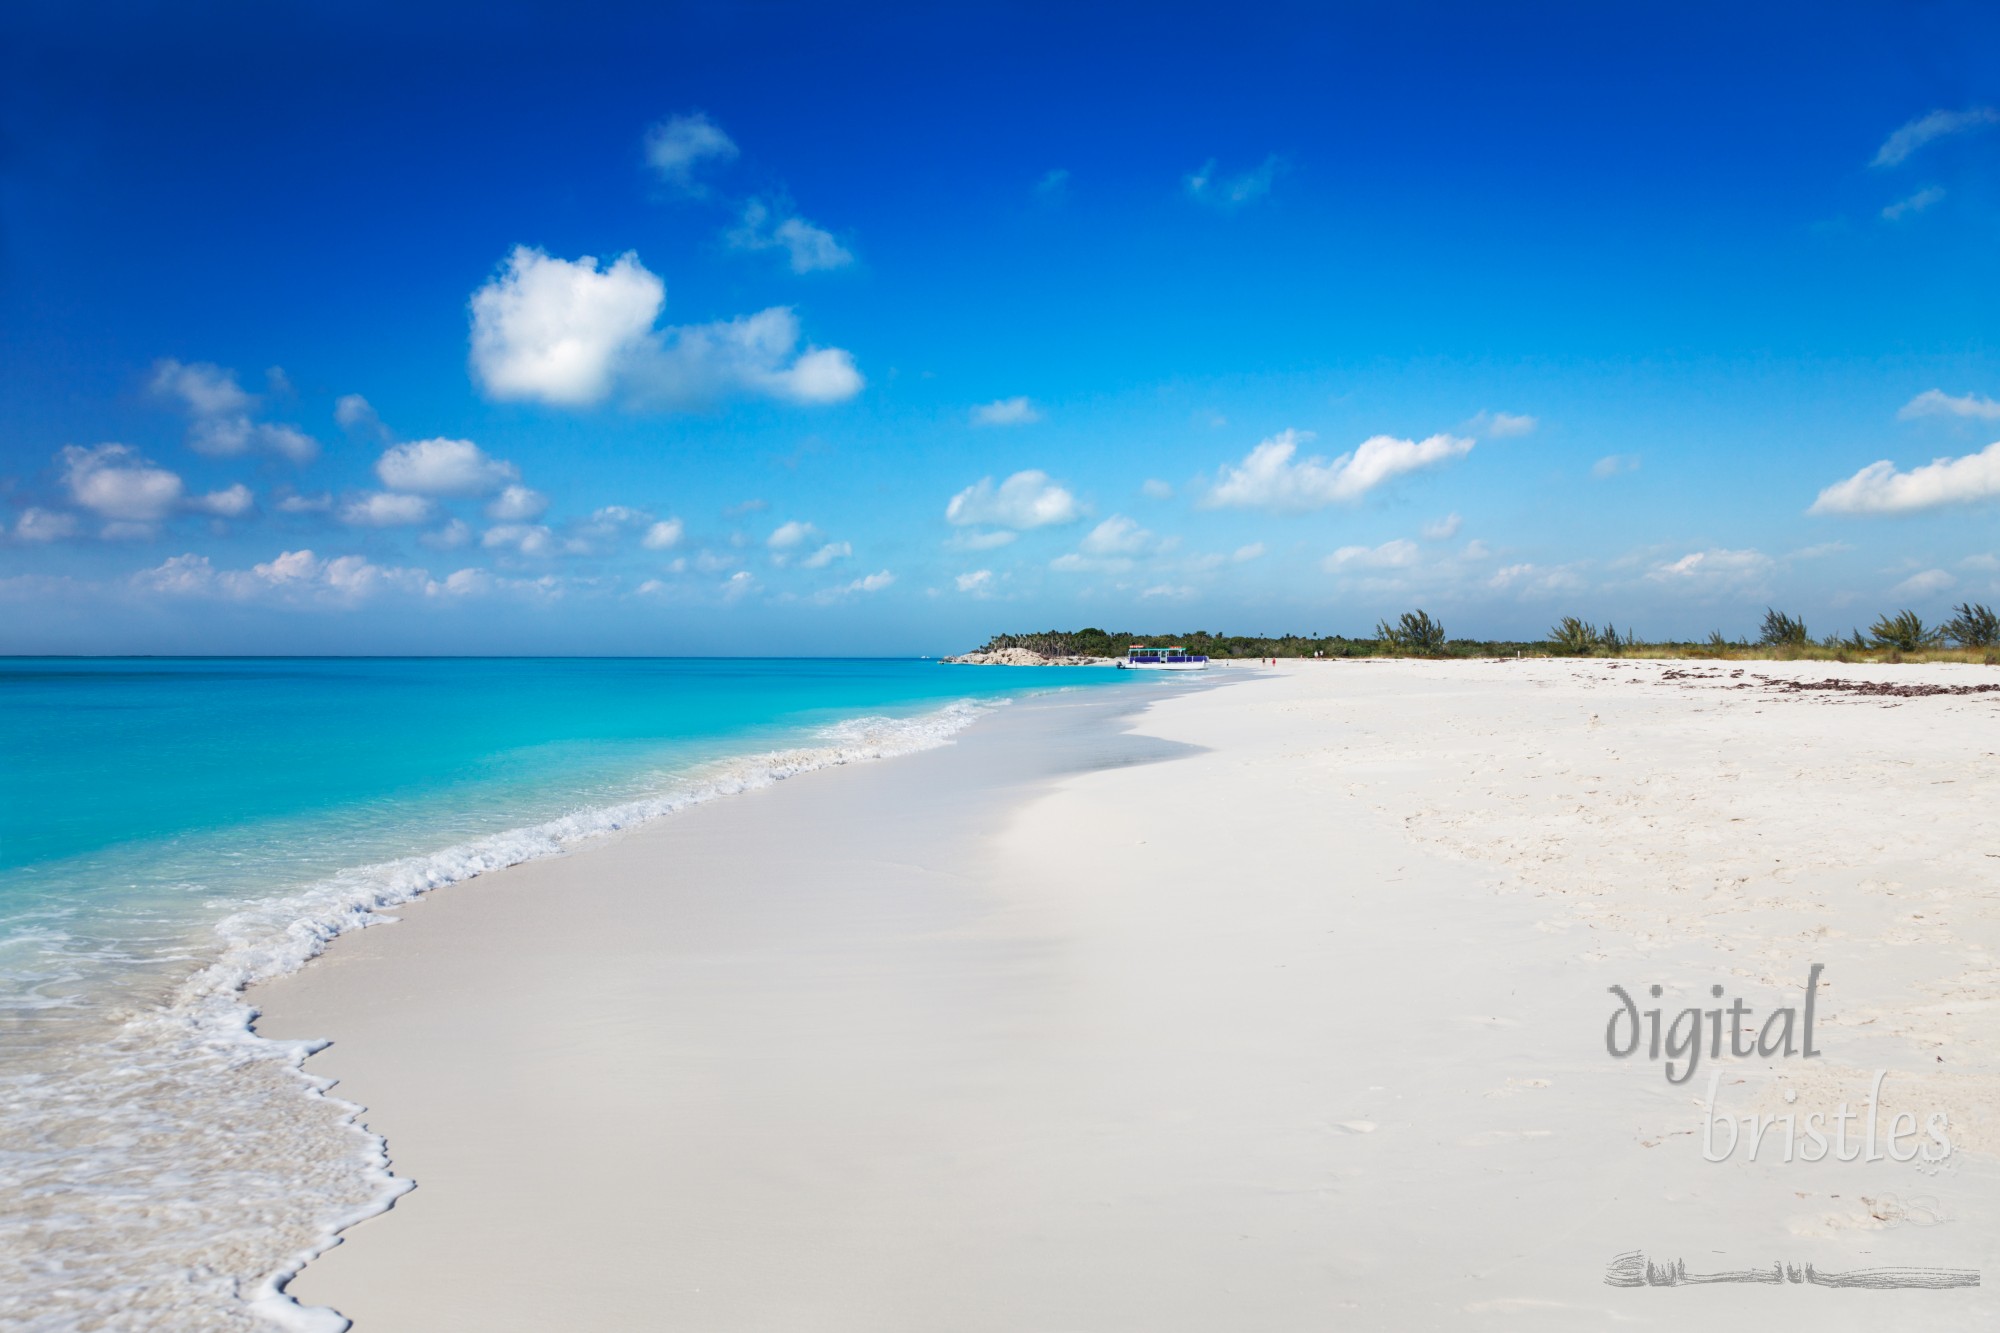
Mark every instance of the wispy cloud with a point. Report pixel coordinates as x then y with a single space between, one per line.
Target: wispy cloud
1938 403
810 249
220 413
1267 478
1926 583
676 148
1612 465
1897 148
1501 425
1914 204
1233 192
1443 529
1713 570
1398 554
1880 488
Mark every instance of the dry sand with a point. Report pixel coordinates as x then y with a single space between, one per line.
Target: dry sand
1279 1006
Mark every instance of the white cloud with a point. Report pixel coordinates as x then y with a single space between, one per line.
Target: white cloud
231 502
1502 425
1268 479
385 509
1006 412
1025 500
867 583
980 541
305 504
1713 568
527 538
826 555
1444 529
740 584
1613 464
1924 584
1938 403
713 562
44 525
290 576
1476 550
810 248
1880 489
1937 125
516 504
977 583
1155 489
663 535
113 482
355 415
1253 551
1914 204
678 145
449 537
555 330
562 332
220 412
1531 579
788 535
1117 535
1398 554
1170 591
443 467
1236 191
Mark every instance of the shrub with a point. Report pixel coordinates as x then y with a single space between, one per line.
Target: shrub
1973 626
1414 632
1903 632
1782 631
1572 636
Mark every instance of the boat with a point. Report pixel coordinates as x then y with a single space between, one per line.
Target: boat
1142 658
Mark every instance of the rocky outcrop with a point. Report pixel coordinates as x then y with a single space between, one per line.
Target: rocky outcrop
1023 657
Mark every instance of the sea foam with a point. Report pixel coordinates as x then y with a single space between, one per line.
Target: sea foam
179 1171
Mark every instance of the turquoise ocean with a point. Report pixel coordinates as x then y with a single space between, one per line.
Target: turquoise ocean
174 829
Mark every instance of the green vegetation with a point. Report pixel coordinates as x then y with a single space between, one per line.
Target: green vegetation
1971 635
1416 634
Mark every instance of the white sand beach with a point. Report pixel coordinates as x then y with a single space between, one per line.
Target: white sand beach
1277 1005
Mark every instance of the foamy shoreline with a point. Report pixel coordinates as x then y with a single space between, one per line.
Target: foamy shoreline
1305 1021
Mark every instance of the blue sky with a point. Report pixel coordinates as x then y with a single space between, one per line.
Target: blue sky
803 328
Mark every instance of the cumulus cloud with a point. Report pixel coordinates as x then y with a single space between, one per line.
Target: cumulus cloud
677 146
443 467
1913 204
1880 489
1006 412
1612 465
220 413
1938 403
788 535
357 417
567 333
1117 535
1713 569
1927 583
1267 478
385 509
1027 499
1398 554
1444 529
114 482
517 503
532 539
1907 139
1233 192
290 576
977 583
663 535
44 525
449 537
230 502
809 248
826 555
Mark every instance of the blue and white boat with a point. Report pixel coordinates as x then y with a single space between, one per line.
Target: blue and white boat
1142 658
